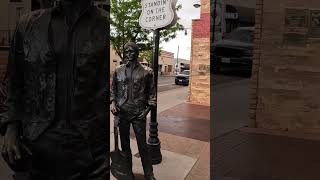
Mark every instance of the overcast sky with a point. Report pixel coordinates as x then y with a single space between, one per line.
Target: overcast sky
186 14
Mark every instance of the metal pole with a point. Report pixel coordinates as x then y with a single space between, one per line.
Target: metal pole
153 141
213 53
177 61
9 33
214 21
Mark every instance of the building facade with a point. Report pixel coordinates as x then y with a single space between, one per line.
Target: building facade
183 64
115 60
166 63
286 67
199 87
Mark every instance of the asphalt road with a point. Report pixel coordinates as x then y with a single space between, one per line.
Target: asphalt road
164 80
166 83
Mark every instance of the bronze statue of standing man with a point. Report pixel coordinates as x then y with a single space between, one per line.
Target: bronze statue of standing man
133 96
56 125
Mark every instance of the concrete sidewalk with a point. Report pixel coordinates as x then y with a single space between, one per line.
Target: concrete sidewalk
184 132
230 106
247 155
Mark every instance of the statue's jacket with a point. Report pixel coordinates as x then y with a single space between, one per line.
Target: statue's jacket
32 76
142 87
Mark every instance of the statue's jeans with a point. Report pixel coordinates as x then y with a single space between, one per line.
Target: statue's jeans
139 127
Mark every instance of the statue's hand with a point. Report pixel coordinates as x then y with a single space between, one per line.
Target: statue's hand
12 147
114 108
144 114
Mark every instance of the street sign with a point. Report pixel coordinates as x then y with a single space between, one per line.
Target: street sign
158 14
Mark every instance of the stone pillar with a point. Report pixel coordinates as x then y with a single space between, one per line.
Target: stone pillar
199 88
256 63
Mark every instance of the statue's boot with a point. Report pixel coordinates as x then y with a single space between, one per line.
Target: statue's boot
129 173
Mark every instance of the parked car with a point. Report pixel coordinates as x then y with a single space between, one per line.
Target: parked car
182 78
235 50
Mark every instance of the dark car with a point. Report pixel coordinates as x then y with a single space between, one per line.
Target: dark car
235 50
182 78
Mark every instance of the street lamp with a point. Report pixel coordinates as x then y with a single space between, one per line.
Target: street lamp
177 65
153 140
197 4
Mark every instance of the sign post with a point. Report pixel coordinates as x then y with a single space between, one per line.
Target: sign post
156 15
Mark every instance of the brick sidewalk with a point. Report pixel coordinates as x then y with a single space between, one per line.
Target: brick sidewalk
186 120
186 130
240 155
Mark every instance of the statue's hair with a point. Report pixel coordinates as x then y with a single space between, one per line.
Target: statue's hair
133 45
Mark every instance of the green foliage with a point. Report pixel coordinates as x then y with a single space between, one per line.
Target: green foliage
125 27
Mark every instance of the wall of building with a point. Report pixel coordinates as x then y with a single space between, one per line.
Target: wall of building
114 60
167 63
286 68
199 88
183 64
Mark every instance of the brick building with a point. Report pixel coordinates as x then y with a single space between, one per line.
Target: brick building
286 67
166 63
183 64
199 88
114 60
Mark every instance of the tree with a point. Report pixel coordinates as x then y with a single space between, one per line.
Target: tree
125 27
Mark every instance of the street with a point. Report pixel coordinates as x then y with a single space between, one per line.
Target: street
166 83
165 80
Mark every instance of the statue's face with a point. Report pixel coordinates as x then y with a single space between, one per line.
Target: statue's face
130 54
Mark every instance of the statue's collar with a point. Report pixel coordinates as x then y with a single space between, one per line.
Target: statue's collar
60 10
132 65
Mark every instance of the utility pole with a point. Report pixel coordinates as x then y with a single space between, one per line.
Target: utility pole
177 66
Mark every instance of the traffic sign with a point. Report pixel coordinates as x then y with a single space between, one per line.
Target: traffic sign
158 14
